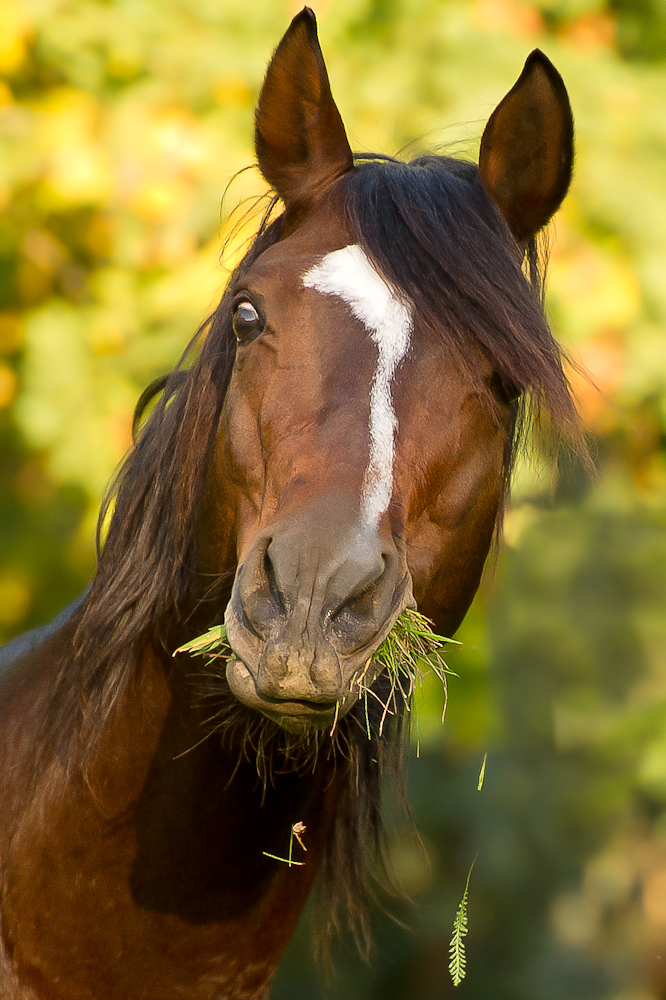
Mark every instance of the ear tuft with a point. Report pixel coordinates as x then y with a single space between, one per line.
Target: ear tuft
526 156
300 141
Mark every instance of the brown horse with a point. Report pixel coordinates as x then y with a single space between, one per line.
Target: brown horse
338 450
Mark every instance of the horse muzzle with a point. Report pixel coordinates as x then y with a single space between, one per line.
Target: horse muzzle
304 620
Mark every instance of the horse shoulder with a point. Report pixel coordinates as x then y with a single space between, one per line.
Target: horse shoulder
29 667
15 652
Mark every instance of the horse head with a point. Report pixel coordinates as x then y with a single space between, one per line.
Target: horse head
383 337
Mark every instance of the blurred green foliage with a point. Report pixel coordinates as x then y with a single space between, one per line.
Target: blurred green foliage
121 122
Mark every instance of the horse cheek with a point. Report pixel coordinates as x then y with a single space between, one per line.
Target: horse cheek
450 543
234 487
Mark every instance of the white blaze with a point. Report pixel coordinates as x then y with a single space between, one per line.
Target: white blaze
349 274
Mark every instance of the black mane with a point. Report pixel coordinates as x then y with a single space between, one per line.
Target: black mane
438 239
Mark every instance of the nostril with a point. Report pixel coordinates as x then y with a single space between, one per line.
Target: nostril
364 601
273 590
360 608
257 596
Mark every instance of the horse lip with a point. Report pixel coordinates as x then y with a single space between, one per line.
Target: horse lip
243 686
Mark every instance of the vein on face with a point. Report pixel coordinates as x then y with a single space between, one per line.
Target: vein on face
349 274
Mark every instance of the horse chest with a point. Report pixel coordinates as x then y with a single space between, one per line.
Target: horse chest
80 922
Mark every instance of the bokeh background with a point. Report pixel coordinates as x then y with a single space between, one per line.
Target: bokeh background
121 122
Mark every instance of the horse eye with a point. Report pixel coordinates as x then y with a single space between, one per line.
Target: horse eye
246 320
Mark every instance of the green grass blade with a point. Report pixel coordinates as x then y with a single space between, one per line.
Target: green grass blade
211 643
482 773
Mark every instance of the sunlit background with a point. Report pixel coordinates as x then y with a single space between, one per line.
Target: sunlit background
121 123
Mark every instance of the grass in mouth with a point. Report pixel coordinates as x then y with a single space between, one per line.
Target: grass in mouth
212 643
410 646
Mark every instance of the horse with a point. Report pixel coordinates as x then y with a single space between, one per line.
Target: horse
334 448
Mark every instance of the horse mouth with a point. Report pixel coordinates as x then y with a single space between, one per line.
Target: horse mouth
295 715
306 687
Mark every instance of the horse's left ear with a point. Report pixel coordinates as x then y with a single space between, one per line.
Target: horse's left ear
299 138
526 156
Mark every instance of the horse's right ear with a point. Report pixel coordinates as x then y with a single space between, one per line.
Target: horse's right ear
299 138
526 155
